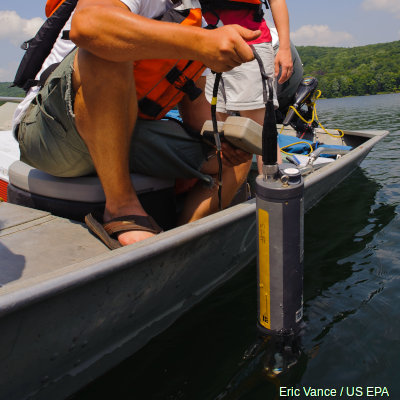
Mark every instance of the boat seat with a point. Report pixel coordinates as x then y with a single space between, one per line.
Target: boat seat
85 188
75 197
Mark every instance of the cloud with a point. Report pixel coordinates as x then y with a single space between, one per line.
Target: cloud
7 70
4 75
391 6
321 35
15 29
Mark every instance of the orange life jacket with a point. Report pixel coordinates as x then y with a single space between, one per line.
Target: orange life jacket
51 6
161 84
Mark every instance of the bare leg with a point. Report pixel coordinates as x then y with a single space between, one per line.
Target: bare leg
106 111
202 201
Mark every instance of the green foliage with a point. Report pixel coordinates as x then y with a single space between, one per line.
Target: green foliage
355 71
7 91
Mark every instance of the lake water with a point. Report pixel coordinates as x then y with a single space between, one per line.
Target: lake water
351 336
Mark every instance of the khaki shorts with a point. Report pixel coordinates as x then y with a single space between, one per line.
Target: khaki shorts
49 140
241 88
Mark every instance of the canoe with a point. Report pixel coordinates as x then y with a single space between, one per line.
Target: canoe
70 309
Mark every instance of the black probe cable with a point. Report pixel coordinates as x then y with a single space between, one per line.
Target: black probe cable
216 135
269 132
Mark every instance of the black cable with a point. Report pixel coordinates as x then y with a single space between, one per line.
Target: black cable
269 132
216 135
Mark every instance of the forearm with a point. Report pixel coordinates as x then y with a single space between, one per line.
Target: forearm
281 19
94 29
283 59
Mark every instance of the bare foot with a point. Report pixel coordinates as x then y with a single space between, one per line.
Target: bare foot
133 237
129 237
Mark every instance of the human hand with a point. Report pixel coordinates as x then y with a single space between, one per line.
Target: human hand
283 64
232 156
226 48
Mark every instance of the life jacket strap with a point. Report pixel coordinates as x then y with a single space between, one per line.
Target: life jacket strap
153 109
190 88
28 84
173 75
149 107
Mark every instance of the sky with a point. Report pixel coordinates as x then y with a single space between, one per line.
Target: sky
345 23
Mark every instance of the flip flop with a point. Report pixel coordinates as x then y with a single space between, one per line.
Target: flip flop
108 232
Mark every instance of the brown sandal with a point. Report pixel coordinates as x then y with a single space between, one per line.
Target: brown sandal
108 232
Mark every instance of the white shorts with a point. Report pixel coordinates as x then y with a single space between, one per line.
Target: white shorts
241 89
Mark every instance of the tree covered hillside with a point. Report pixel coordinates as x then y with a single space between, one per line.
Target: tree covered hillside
7 91
354 71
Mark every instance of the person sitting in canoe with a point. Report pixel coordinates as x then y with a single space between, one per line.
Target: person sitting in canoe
97 111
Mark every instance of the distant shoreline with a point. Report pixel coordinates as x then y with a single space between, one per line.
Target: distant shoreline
8 94
321 98
363 95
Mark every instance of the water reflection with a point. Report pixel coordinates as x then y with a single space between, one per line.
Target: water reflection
353 218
